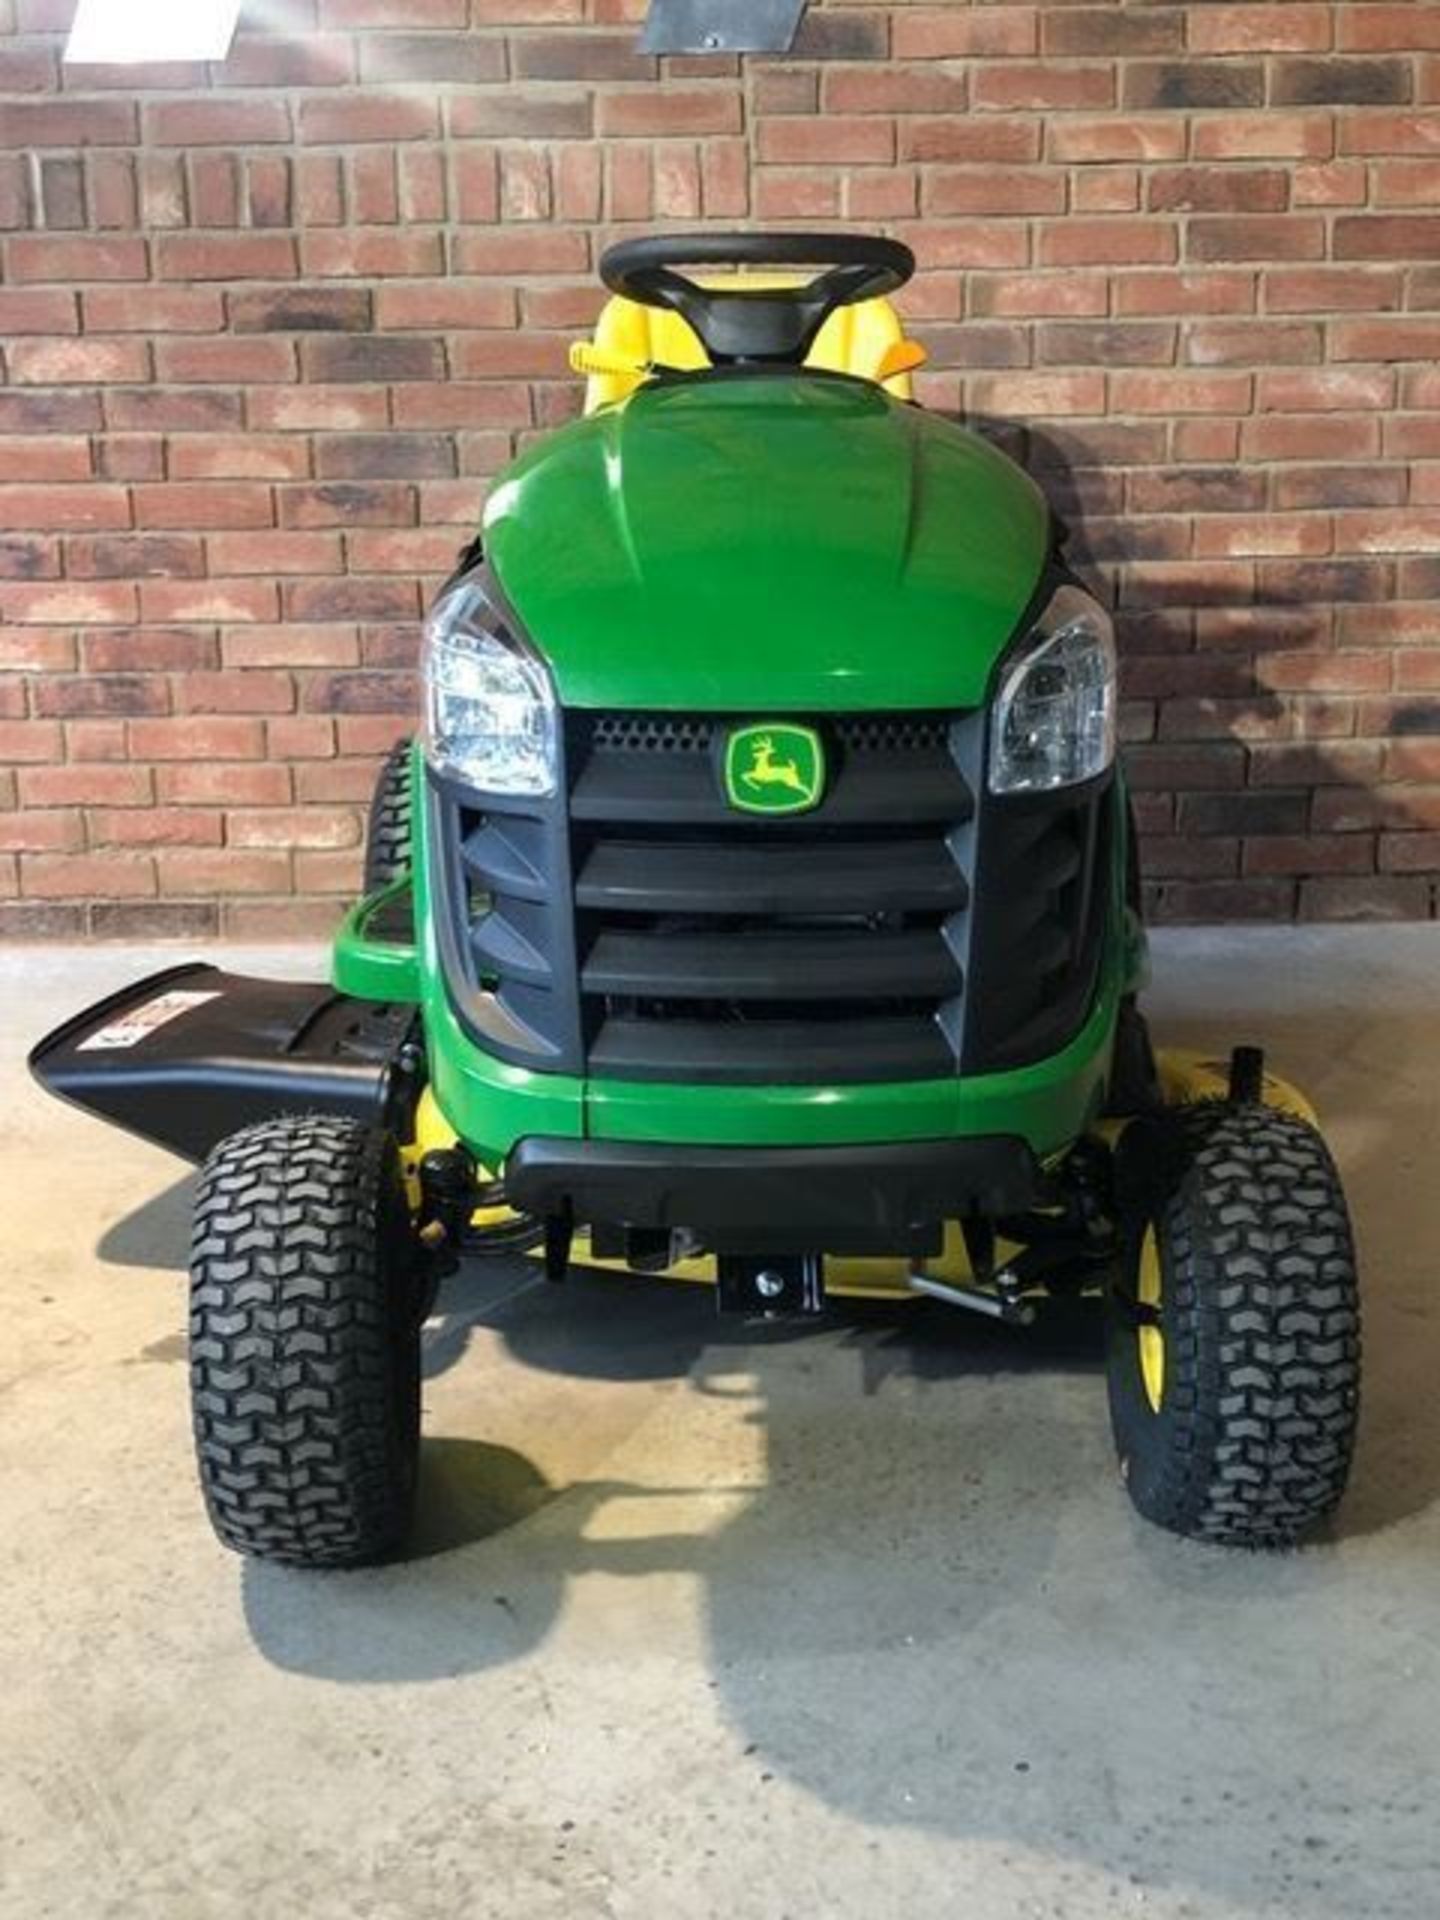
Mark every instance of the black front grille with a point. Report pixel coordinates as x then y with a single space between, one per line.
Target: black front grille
719 945
637 926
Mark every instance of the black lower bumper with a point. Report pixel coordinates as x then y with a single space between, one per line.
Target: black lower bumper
188 1055
852 1198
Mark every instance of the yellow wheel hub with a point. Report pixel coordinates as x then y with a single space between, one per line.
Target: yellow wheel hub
1150 1338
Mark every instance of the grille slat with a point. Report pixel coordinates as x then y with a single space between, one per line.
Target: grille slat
823 965
791 1051
765 877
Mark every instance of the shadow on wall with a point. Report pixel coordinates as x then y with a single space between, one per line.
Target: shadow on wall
1245 686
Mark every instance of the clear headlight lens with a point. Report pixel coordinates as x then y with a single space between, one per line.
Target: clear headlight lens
1054 718
489 708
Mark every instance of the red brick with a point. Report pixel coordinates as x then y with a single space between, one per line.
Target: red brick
1332 289
303 409
445 57
1211 291
324 827
1372 133
1409 852
318 61
1256 237
370 253
215 123
213 361
1401 530
291 646
150 649
151 310
71 876
50 830
1392 28
950 33
249 456
56 458
1387 236
36 310
274 553
555 250
992 190
1221 343
698 110
88 505
1275 28
156 827
905 90
227 785
125 556
225 870
1374 898
1218 189
1039 295
849 141
36 650
1309 853
1386 339
1106 190
208 600
956 138
1265 136
198 504
1039 394
353 117
1326 390
224 256
1175 392
1119 242
68 123
78 257
1038 88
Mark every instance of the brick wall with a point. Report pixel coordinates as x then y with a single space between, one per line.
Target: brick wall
268 328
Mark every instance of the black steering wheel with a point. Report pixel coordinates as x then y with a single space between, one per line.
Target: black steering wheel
741 327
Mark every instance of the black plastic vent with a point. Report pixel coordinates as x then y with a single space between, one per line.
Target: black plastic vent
715 944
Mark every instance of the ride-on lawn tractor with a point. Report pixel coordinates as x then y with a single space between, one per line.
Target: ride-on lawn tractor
761 907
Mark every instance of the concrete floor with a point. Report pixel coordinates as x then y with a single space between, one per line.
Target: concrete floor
854 1621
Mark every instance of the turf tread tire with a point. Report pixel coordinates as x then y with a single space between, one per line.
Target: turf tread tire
389 830
1253 1440
304 1342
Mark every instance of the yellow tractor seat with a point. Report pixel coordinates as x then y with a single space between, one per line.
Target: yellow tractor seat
866 340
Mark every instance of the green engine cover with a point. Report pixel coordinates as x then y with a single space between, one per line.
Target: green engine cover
767 543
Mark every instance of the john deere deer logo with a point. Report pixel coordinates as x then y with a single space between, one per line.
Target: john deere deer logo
773 767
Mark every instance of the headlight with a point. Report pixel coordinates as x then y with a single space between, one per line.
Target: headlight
489 709
1054 719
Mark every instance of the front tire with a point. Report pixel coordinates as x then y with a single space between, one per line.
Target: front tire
1234 1339
305 1310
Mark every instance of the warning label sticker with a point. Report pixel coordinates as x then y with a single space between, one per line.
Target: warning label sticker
129 1029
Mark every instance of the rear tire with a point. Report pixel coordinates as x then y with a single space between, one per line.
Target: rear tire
389 829
1234 1337
305 1310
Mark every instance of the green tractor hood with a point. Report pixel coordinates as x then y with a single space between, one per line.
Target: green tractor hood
790 543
